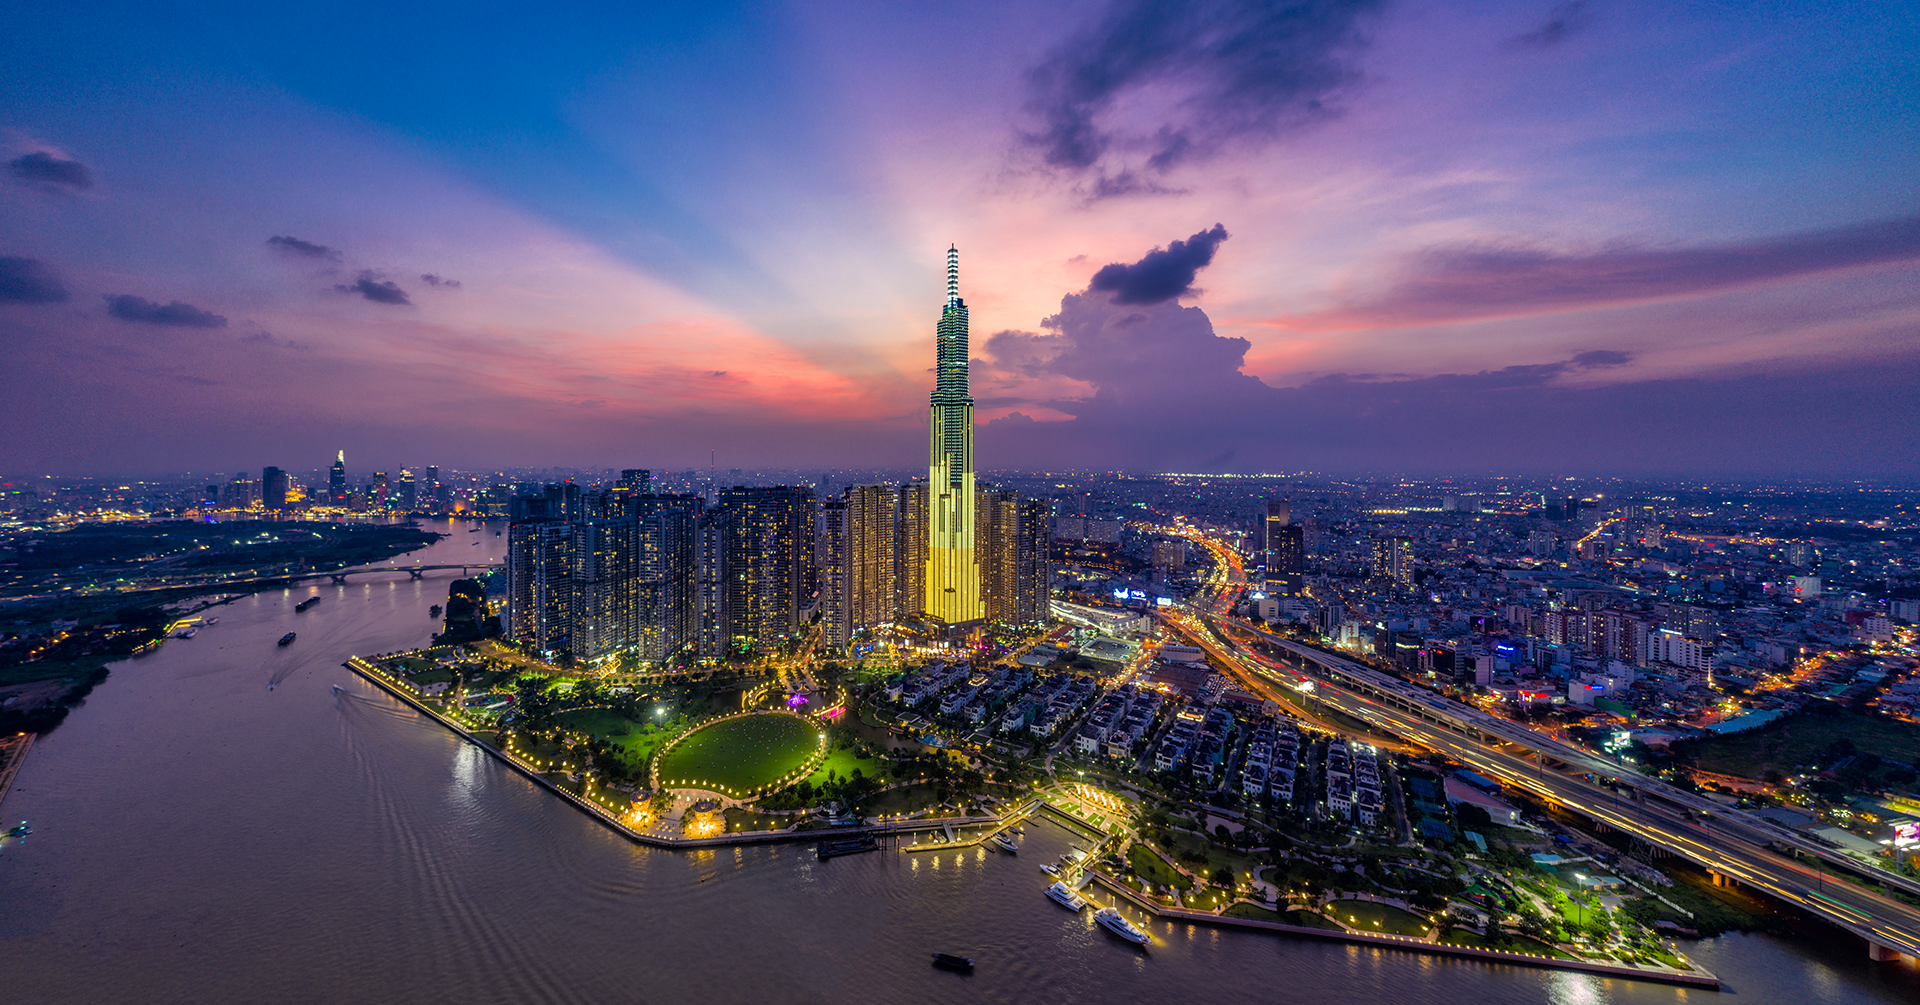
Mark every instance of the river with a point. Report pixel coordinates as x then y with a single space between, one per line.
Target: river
200 838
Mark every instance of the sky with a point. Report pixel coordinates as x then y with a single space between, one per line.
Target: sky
1590 237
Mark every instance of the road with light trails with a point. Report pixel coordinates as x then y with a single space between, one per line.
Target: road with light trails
1879 920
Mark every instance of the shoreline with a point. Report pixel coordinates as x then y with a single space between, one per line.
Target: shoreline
360 666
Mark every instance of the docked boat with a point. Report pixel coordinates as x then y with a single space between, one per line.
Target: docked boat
1050 869
949 961
287 639
187 634
1005 844
304 604
1063 895
210 622
846 846
1112 921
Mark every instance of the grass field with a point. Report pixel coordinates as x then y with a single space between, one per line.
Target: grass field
738 755
843 763
1368 916
637 738
1798 739
1148 865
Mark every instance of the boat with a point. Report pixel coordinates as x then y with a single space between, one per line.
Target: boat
304 604
1050 869
210 622
1002 842
846 846
287 639
189 633
1062 894
1112 921
951 962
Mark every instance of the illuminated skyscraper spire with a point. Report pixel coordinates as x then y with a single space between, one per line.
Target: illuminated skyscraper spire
953 576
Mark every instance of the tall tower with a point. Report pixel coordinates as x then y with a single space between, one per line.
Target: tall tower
953 577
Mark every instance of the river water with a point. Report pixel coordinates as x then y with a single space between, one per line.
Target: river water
200 838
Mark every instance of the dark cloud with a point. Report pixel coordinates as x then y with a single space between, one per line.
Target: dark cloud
432 280
380 291
297 248
1237 69
1565 19
1483 281
46 169
128 307
1165 273
1168 394
29 281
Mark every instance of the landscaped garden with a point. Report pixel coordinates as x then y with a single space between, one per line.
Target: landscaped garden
741 754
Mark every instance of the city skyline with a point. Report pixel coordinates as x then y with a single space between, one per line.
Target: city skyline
1520 238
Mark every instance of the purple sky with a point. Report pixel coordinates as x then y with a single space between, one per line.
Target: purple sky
1587 236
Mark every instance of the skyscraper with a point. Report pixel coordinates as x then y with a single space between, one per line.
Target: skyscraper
274 486
1285 548
337 480
953 574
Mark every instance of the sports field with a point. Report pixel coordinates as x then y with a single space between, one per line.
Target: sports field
741 754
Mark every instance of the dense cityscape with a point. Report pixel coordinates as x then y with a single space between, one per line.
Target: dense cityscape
1122 501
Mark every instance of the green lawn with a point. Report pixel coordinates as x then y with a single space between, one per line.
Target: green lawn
1368 916
910 799
1309 919
738 755
843 764
1148 865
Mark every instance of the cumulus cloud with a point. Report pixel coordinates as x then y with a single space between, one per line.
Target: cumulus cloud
1565 19
128 307
44 169
29 281
380 291
1222 70
1164 273
296 248
1469 282
432 280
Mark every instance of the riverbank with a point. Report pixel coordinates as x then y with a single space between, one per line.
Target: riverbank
612 820
366 669
1696 977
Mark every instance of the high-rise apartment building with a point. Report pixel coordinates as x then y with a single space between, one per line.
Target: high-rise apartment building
1393 560
769 560
540 590
858 535
910 553
953 571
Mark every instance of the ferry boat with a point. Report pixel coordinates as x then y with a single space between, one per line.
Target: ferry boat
287 639
1111 920
1063 895
952 962
304 604
1002 842
846 846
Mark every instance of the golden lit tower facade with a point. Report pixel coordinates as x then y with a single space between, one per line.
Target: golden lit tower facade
953 576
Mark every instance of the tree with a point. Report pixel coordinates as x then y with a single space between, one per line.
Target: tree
1222 877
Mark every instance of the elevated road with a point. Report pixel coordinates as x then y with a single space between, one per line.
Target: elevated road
1715 838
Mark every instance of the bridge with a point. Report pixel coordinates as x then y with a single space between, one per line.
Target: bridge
340 577
1734 847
